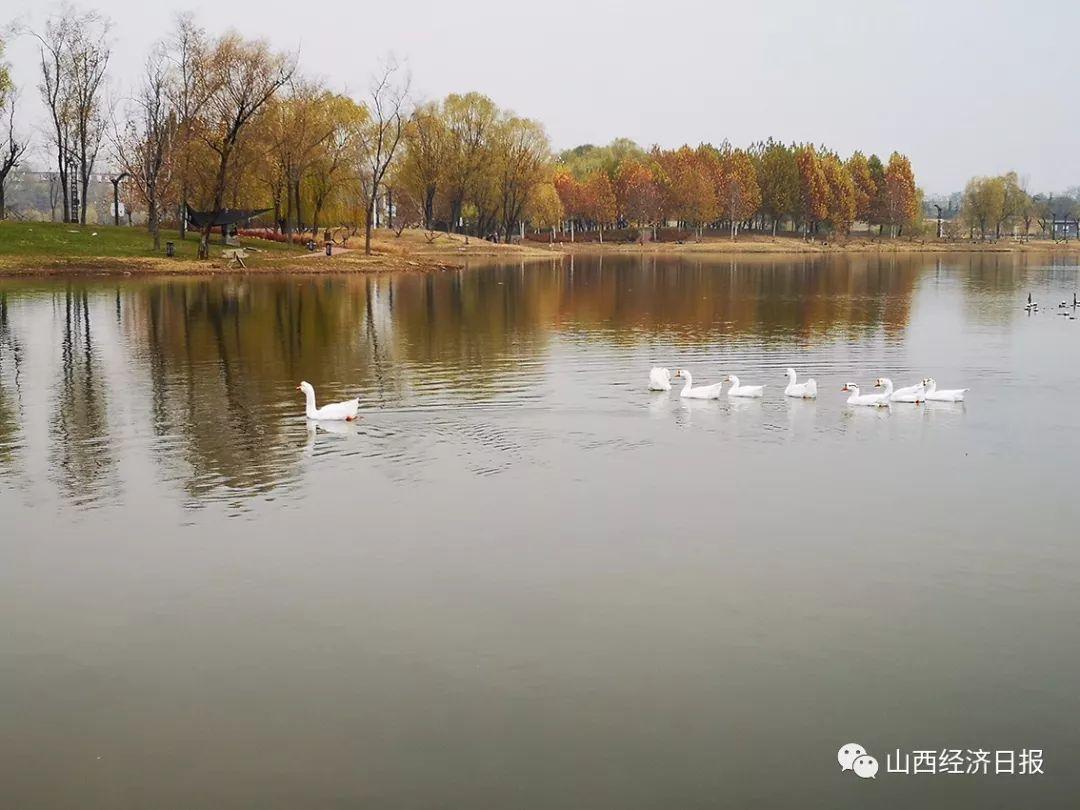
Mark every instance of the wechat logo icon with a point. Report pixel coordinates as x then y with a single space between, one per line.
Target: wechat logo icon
853 757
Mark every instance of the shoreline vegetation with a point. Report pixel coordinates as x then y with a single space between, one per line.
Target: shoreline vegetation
46 249
222 132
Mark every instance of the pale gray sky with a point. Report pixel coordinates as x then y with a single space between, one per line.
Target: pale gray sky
964 87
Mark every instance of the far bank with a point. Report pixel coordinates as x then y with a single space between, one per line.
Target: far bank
34 248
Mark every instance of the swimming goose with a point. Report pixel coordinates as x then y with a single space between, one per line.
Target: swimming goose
806 390
875 400
659 379
702 391
737 390
912 393
944 395
334 412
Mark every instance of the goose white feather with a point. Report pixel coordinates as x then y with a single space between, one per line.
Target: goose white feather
806 390
944 395
701 392
872 400
659 379
333 412
738 390
911 393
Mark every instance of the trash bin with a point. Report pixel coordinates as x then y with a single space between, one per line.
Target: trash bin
329 248
170 249
311 245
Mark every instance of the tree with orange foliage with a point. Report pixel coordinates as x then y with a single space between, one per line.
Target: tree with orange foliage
813 188
689 193
901 196
635 192
737 190
599 199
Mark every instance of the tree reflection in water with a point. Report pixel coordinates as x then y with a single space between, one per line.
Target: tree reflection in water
216 359
10 362
82 456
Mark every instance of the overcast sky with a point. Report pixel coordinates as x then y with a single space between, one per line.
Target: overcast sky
963 87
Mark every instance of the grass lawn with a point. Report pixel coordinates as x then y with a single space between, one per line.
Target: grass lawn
59 240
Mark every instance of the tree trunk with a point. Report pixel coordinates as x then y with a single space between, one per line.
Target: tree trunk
152 221
62 173
219 196
367 230
3 205
84 184
296 201
455 214
429 206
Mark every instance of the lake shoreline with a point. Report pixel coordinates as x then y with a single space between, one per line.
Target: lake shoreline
54 249
786 247
427 252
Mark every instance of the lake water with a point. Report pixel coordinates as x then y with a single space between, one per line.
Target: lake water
521 579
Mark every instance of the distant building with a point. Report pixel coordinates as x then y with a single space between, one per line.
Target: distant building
35 195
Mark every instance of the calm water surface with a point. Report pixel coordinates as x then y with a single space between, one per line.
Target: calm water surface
522 580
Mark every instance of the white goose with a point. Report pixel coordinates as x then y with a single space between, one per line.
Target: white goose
737 390
659 379
702 391
945 395
334 412
806 390
874 400
910 393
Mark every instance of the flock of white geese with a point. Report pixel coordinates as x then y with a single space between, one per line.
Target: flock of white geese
926 389
660 380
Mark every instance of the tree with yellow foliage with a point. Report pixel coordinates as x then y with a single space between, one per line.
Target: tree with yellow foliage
813 200
737 190
865 187
841 203
900 193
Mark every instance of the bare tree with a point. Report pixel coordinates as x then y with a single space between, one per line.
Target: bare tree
11 149
381 134
144 148
242 77
74 55
54 43
88 61
188 91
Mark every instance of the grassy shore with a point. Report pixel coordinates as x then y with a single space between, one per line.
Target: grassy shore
45 248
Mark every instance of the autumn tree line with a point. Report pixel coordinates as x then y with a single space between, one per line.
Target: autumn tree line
770 186
213 123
